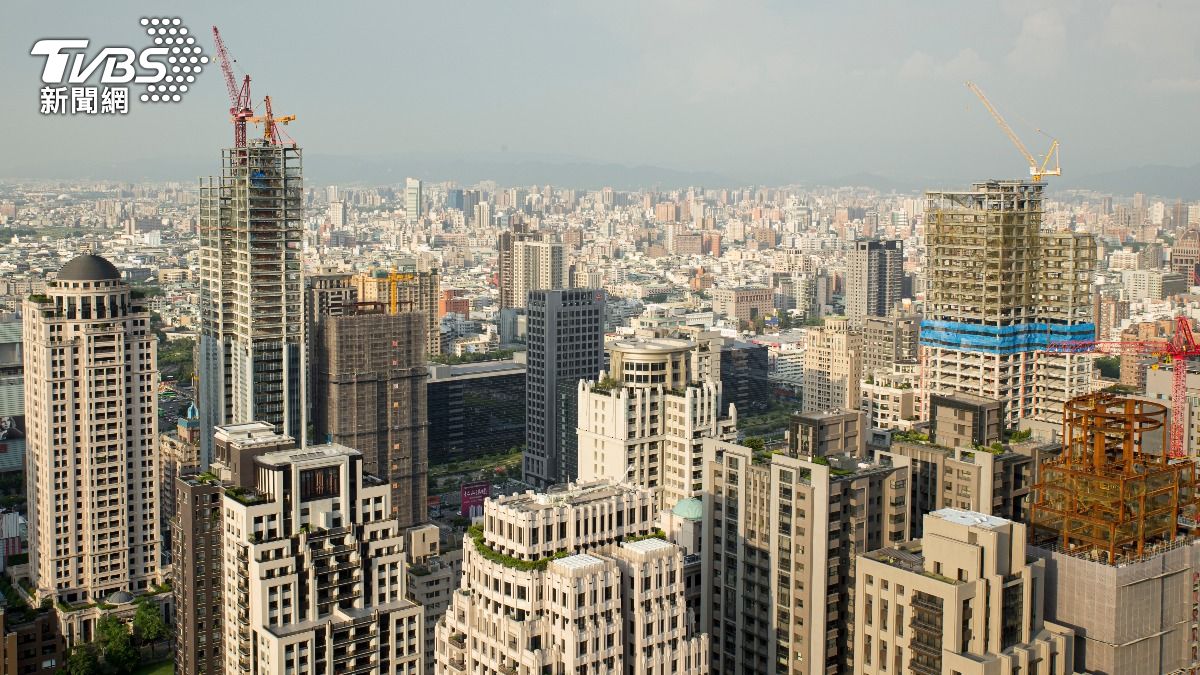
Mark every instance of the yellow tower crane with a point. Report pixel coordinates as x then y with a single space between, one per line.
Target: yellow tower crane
1036 170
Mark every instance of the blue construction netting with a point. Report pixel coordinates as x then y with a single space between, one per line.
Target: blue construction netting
1024 337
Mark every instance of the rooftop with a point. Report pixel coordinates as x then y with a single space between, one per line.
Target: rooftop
579 561
572 494
300 455
655 345
971 518
89 267
648 545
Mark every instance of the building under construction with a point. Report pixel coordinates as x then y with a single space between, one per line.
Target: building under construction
406 290
1000 290
1113 516
251 353
369 394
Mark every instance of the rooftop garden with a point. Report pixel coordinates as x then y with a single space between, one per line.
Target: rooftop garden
657 533
245 497
475 533
606 385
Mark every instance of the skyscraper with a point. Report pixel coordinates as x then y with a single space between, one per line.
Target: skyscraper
251 353
413 200
369 394
91 404
566 344
874 278
999 291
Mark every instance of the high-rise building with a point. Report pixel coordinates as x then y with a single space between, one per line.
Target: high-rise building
964 599
644 422
198 545
577 572
888 341
413 201
12 398
565 345
780 541
251 349
369 394
833 367
408 290
874 279
314 570
537 266
433 576
999 290
91 406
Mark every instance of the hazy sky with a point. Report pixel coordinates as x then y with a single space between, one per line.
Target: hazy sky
759 91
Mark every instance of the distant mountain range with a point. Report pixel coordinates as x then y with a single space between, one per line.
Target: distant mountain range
1169 182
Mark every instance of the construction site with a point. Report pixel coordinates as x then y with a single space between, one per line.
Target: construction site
1113 494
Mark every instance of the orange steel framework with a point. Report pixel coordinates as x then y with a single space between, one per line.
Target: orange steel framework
1113 491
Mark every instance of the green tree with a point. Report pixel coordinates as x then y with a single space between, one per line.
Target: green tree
117 643
83 660
148 624
785 319
755 443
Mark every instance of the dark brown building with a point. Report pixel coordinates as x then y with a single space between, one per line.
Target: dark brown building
369 394
32 643
962 420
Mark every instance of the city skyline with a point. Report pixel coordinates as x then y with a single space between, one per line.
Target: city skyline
764 93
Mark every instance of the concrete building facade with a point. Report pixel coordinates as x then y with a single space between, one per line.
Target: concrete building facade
251 348
780 545
833 367
91 406
565 345
874 279
963 599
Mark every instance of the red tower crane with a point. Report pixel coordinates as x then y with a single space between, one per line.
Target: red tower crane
239 98
1178 349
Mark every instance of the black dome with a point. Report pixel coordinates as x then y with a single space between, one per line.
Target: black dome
88 268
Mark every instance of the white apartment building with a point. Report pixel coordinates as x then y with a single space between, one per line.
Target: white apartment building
538 266
647 420
314 571
91 406
571 582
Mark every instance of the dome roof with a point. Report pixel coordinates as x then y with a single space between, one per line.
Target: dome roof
689 509
89 268
119 597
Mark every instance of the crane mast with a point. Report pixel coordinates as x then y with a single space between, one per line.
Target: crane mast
1036 170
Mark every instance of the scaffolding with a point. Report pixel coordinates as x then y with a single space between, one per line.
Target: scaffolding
1113 493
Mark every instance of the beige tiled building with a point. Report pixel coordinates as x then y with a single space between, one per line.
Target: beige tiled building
832 367
995 482
780 553
91 405
553 584
314 570
645 423
961 600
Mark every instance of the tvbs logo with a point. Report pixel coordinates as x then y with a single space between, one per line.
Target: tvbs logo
167 68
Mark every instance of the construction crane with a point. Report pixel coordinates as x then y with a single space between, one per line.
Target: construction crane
239 97
1181 347
271 131
1036 170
